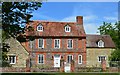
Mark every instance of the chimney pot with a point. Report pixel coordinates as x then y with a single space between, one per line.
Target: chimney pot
79 20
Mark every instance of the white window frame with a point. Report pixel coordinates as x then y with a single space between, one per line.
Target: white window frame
67 28
59 44
101 56
80 60
67 58
67 44
43 43
12 59
100 43
40 28
43 58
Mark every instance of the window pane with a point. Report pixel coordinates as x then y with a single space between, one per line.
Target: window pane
67 29
69 58
80 59
57 43
40 28
41 43
12 59
69 43
101 58
40 59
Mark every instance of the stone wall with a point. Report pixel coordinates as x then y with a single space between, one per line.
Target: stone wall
19 51
93 53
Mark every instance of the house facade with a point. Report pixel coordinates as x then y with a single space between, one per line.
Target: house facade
53 41
99 47
17 54
48 43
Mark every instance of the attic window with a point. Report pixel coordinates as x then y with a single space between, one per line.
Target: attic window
40 28
100 43
67 28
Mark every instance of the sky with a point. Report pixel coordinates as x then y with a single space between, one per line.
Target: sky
94 13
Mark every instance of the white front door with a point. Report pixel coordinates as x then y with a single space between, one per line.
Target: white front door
56 60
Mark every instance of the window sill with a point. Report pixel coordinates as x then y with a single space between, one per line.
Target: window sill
12 63
79 63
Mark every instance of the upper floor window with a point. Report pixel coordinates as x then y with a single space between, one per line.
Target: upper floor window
57 43
41 59
100 43
41 43
100 58
67 28
70 43
12 59
40 28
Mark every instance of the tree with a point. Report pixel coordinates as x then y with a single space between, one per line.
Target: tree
17 14
114 31
14 15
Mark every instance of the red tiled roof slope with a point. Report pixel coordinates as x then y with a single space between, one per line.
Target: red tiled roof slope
58 29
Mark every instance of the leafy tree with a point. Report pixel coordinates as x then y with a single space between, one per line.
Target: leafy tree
14 16
114 31
17 14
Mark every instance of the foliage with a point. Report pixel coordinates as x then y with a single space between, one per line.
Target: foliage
114 31
17 14
14 15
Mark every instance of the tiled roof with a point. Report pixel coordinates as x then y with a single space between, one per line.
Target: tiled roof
93 39
57 29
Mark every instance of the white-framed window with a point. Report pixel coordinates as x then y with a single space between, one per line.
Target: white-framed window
12 59
57 43
40 43
40 59
100 58
67 28
70 44
40 28
100 43
69 58
79 59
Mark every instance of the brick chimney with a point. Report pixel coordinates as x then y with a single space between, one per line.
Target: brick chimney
79 20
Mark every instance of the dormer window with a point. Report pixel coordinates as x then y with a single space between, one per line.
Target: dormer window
40 28
100 43
67 28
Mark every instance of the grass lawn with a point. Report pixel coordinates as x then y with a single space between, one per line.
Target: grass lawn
60 74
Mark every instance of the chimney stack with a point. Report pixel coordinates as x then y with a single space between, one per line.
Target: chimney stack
79 20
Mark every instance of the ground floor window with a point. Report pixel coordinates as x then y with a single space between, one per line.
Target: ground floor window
12 59
79 59
69 58
100 58
40 58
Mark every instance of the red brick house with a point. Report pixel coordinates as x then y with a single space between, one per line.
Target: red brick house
59 46
53 41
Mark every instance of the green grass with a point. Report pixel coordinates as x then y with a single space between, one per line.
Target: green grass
60 74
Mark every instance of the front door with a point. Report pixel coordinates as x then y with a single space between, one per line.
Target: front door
56 60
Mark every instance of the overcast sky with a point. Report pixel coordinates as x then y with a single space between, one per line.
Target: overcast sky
94 13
